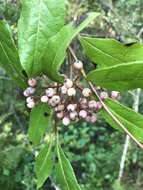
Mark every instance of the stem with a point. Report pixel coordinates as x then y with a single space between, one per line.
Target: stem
136 98
55 126
123 158
104 105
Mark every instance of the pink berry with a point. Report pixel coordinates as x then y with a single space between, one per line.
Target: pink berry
103 95
66 121
71 92
98 105
50 92
68 83
92 104
114 94
44 99
71 107
83 100
88 118
78 65
60 107
25 93
93 118
86 92
60 115
83 103
83 114
32 82
64 90
31 105
29 91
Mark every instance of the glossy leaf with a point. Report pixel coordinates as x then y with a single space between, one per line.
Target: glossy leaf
64 173
9 59
39 21
44 164
108 52
132 120
56 48
124 76
40 121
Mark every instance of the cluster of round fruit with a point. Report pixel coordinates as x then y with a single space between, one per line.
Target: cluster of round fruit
70 101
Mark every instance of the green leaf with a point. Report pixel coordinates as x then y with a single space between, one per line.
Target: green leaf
132 120
64 172
58 45
108 52
40 121
39 21
9 59
44 164
124 76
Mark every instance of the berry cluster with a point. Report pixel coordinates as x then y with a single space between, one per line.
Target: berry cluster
70 101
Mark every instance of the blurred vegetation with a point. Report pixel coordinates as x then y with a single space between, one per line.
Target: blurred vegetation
94 150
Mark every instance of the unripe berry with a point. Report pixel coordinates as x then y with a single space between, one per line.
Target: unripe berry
71 107
26 93
60 107
64 90
78 65
56 99
60 115
66 121
50 92
32 82
92 104
88 118
31 105
73 115
83 106
93 118
98 87
114 94
98 105
68 83
83 103
29 99
52 103
103 95
71 92
86 92
29 91
83 114
83 100
44 99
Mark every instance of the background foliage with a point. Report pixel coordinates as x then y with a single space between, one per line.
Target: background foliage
94 151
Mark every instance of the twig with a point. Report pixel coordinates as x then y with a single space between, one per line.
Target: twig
104 105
